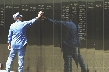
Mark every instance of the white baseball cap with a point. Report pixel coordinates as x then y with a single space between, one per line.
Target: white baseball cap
17 15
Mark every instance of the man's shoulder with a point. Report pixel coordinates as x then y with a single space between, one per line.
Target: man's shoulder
12 25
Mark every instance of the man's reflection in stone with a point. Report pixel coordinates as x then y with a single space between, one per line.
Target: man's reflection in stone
69 43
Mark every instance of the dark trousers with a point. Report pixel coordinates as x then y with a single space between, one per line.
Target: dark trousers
68 54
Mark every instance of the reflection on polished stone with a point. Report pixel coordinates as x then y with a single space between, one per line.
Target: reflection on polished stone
50 59
5 71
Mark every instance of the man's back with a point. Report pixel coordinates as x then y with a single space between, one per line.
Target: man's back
69 33
19 38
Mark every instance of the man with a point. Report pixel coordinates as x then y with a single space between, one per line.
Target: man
69 41
18 41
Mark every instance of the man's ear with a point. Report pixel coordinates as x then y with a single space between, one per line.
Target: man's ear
15 18
18 17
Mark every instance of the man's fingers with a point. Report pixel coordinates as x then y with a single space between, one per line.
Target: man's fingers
40 14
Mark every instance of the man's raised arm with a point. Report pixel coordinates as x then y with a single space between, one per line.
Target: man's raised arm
30 22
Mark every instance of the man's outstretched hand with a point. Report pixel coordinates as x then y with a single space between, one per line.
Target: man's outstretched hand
40 14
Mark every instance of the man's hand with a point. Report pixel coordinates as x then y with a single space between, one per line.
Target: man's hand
9 47
40 14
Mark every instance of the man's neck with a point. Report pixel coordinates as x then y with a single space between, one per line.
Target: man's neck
17 20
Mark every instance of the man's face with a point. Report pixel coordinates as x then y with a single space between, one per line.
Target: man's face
20 18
